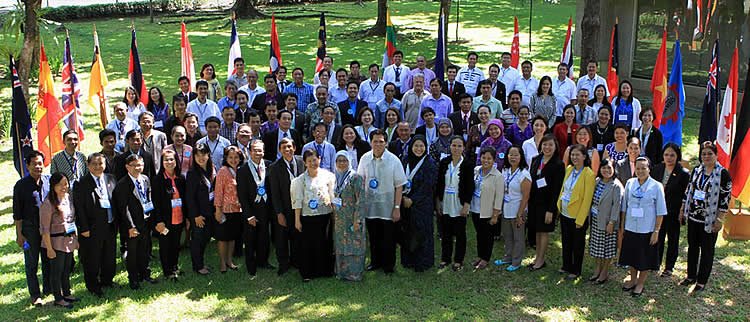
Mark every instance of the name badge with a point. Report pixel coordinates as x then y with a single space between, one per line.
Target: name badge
165 231
444 155
159 124
595 211
148 206
313 204
176 202
104 203
600 147
506 196
501 155
566 196
211 196
476 151
187 154
636 212
699 195
261 191
408 184
450 190
70 227
622 117
541 183
374 183
337 202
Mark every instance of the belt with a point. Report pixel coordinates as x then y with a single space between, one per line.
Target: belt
62 235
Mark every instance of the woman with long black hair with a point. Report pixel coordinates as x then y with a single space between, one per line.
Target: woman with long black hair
168 190
199 197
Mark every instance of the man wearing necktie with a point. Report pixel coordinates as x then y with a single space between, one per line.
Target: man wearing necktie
397 74
92 196
252 191
280 175
400 146
121 124
326 150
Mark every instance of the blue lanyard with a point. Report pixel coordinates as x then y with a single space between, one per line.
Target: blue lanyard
452 168
508 180
599 190
141 190
704 178
481 177
73 165
575 175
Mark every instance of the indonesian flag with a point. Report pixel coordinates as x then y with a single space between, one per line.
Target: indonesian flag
274 60
234 49
70 92
514 48
188 68
48 112
659 81
135 74
725 134
567 54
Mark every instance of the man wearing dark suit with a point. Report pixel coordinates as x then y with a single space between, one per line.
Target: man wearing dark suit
352 105
400 145
242 112
184 84
271 139
463 119
498 88
133 206
259 102
108 140
133 143
252 190
153 140
280 175
453 88
97 225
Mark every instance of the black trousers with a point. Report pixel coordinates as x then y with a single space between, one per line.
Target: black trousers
256 240
199 238
573 244
485 239
60 267
31 262
98 257
286 241
169 248
531 235
453 227
382 243
316 253
137 259
701 245
670 231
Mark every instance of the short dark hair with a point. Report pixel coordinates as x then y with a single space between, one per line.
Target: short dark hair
581 148
488 149
373 65
212 119
494 66
352 82
592 61
646 110
309 153
521 162
178 98
238 59
269 76
378 132
281 67
287 95
278 115
105 133
505 53
133 157
32 155
131 134
525 62
425 111
354 62
398 52
471 53
228 149
181 78
463 96
451 66
94 156
201 83
675 148
515 92
69 132
241 93
298 69
212 67
562 65
341 70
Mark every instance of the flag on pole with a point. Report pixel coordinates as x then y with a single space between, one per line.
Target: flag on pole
738 169
708 129
234 48
274 61
48 112
698 31
21 125
390 40
70 92
188 68
674 105
725 134
612 81
659 80
440 51
567 53
97 83
135 74
515 46
321 43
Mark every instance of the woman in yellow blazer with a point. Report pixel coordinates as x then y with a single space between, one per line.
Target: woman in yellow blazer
574 204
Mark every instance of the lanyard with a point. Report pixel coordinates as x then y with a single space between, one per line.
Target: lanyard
452 169
410 173
141 190
259 179
574 174
366 133
340 183
175 192
73 165
508 180
208 142
179 155
481 177
202 108
372 89
598 191
704 179
430 134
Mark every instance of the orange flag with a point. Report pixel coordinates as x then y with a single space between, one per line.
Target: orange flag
48 113
659 80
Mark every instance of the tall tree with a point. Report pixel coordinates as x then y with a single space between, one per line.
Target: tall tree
30 49
246 9
589 34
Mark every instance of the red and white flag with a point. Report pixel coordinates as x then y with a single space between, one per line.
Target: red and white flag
188 68
514 48
725 133
234 48
567 54
274 59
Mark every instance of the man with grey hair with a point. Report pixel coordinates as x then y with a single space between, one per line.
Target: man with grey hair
153 140
314 111
412 100
252 89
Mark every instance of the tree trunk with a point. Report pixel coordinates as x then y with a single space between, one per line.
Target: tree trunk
589 34
151 10
445 8
246 9
379 28
30 49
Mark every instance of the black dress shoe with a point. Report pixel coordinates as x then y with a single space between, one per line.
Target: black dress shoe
67 305
268 266
698 288
687 282
135 285
71 299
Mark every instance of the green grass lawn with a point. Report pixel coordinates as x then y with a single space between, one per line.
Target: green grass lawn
492 294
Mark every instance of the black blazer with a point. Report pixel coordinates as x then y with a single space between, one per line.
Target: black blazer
271 140
458 122
110 165
360 146
148 164
545 198
653 148
91 216
393 148
247 190
126 202
465 179
337 129
347 118
191 95
500 93
280 183
675 188
259 104
457 90
162 193
196 200
244 117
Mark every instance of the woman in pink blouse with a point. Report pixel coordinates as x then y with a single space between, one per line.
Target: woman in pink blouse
58 229
183 152
228 209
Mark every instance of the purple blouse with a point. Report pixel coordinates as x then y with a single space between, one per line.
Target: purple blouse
501 148
516 136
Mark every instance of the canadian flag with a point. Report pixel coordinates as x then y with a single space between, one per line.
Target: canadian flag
725 132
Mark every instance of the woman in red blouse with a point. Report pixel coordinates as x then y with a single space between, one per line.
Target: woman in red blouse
565 132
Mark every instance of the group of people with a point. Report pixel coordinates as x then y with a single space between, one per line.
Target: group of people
322 171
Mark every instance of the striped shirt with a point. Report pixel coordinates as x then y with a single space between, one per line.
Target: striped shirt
470 78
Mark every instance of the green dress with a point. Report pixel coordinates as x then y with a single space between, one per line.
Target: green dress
350 245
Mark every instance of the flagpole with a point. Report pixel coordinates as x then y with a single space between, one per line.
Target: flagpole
72 86
20 147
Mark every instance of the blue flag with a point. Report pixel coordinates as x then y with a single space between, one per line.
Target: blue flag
708 128
674 105
21 126
440 52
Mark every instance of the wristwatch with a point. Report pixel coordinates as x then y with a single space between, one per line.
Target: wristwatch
397 206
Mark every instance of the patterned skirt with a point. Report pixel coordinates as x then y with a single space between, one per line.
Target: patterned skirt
601 243
350 267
